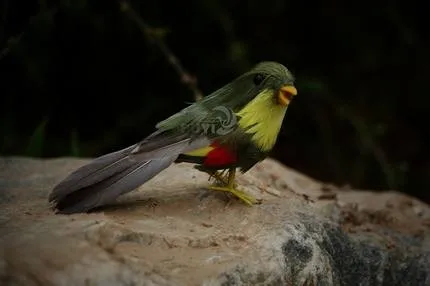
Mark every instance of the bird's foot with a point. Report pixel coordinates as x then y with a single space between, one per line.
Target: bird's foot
248 199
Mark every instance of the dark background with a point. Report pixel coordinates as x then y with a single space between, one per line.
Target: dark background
79 78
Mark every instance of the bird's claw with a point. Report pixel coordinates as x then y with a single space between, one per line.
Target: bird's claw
248 199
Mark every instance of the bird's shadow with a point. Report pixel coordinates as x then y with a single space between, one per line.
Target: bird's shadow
193 197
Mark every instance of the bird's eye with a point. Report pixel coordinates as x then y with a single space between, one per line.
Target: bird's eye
258 79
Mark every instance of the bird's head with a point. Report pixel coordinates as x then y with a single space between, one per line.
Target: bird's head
274 77
265 78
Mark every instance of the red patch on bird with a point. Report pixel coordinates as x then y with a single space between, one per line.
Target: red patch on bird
219 156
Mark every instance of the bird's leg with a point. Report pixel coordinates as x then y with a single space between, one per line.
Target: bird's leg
230 187
220 176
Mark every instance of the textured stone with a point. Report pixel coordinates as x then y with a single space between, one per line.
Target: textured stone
172 231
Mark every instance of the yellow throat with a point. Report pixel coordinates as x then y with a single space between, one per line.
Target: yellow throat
263 118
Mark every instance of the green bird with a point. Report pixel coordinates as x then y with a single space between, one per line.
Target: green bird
235 127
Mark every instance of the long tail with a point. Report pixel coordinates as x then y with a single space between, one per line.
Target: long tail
105 178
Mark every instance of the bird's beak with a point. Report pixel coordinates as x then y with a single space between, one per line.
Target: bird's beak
285 94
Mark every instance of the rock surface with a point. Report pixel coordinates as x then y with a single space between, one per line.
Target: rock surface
172 231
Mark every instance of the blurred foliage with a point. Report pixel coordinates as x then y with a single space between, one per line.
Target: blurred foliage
80 79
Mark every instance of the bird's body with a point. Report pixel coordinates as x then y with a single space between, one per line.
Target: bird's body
234 127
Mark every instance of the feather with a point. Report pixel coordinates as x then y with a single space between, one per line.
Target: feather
105 178
107 190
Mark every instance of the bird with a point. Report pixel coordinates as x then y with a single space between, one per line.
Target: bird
235 127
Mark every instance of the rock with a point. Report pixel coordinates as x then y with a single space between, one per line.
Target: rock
172 231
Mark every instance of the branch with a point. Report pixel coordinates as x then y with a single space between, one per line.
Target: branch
154 37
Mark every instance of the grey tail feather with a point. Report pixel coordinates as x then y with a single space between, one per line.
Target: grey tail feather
104 191
105 178
94 172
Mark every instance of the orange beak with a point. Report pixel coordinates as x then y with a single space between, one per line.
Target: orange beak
286 94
